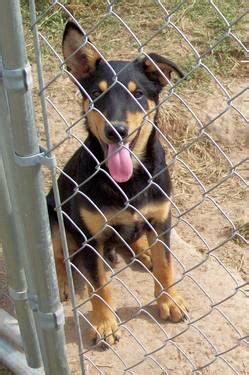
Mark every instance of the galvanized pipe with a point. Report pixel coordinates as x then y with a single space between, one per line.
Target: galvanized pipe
11 347
10 235
38 58
29 192
15 361
9 328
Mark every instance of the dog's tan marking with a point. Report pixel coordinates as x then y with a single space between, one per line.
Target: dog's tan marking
141 248
59 259
103 85
138 120
158 211
95 221
96 121
152 68
59 263
134 120
132 86
163 272
56 241
103 318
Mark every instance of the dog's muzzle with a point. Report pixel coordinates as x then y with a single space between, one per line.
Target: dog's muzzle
116 132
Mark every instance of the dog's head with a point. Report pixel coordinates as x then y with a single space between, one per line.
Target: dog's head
125 95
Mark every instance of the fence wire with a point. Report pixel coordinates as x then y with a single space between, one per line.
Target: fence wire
210 186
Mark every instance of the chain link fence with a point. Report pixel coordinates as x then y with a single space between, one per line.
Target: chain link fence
203 128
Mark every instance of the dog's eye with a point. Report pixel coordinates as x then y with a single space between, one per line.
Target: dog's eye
95 93
138 94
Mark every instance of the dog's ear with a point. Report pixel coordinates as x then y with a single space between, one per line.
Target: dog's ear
153 61
81 58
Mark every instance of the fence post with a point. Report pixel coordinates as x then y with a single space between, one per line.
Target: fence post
9 234
26 158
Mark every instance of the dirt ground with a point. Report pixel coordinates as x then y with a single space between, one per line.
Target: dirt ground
146 341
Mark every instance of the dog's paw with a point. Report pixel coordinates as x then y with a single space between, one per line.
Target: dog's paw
145 258
105 328
174 308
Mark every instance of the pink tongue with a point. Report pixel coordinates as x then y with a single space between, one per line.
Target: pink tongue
119 162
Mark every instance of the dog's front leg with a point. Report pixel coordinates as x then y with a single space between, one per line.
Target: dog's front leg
103 316
171 305
140 248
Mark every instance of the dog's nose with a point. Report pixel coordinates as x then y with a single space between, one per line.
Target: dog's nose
116 132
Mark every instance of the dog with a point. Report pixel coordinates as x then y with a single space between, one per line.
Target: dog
116 187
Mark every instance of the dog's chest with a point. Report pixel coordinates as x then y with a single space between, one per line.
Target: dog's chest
128 222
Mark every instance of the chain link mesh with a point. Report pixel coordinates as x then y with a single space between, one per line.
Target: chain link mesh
203 126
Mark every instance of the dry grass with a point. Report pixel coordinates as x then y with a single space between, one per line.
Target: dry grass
198 21
241 234
197 151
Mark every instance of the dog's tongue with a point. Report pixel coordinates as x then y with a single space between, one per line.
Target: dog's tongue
119 162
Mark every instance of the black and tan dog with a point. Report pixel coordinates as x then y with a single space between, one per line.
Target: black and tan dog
116 186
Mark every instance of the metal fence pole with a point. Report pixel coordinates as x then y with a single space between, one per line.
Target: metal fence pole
29 191
38 58
12 246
